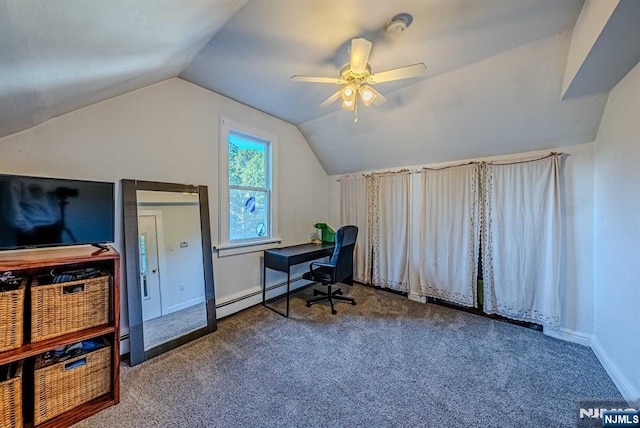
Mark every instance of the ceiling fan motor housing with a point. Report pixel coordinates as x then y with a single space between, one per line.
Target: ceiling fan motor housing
347 74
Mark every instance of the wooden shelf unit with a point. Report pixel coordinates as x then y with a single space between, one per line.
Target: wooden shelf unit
36 262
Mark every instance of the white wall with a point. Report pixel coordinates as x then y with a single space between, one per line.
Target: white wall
576 288
617 237
169 132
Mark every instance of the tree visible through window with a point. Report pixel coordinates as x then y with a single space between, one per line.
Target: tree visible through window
249 188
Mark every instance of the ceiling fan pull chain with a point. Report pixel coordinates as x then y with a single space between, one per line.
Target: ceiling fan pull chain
355 110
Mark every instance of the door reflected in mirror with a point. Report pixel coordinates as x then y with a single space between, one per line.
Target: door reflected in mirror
172 281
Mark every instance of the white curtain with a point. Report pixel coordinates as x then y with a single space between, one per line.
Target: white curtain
389 229
450 234
354 211
521 240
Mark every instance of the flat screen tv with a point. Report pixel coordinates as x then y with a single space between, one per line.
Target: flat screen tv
42 212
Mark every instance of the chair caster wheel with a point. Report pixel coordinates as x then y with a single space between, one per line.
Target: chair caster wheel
308 305
353 303
333 311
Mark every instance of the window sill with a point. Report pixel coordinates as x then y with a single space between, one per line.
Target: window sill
231 249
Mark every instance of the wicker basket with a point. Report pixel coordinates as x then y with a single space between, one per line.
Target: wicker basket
58 309
11 401
63 386
11 317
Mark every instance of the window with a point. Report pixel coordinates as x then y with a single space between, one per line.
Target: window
246 166
248 188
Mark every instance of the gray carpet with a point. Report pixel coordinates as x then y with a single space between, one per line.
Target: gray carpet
167 327
385 362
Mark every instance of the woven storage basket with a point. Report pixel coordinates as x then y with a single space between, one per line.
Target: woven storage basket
63 386
58 309
11 317
11 401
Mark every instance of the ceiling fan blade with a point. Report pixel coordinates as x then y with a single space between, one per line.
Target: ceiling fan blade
314 79
380 99
360 50
407 72
331 99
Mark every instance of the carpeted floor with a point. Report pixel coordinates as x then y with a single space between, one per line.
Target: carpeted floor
386 362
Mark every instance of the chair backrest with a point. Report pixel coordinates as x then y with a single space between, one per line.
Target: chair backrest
342 257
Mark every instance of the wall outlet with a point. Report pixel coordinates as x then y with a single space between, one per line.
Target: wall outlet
184 244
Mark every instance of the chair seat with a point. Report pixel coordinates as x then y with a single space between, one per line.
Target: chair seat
319 274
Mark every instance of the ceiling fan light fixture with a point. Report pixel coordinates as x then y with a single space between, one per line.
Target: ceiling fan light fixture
348 92
348 104
367 95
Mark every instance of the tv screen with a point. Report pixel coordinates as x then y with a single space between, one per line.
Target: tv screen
40 212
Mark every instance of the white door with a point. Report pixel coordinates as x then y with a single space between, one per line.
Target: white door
149 267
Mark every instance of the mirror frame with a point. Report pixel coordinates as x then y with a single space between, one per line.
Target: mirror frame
137 351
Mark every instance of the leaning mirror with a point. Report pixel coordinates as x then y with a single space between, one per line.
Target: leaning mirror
169 266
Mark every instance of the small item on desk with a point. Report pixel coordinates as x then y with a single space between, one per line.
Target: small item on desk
328 234
315 239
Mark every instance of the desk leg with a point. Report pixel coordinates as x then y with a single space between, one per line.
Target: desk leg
264 292
288 287
264 282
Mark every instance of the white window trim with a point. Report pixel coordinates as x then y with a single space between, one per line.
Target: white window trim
225 245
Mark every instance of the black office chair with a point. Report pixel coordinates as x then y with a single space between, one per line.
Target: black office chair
339 269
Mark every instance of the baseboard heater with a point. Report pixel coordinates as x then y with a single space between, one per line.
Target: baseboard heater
256 293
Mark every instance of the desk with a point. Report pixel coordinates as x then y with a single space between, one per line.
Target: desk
281 259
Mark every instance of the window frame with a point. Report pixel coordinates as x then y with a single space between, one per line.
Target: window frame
226 246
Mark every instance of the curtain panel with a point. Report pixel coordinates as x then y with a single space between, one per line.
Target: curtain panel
521 240
450 234
354 210
389 199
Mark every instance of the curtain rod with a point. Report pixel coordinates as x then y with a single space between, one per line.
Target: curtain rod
494 162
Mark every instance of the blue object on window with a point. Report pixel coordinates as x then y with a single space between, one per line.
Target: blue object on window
250 204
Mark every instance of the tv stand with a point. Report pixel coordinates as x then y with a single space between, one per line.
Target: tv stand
28 263
101 247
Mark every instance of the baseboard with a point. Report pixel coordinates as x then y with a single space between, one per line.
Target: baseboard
417 298
124 346
569 335
243 300
238 306
623 385
184 305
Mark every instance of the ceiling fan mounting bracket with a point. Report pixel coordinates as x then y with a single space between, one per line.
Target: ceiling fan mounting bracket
347 74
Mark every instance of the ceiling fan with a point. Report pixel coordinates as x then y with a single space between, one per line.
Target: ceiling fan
357 79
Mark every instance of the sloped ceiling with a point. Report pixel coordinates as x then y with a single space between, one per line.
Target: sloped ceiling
492 86
59 55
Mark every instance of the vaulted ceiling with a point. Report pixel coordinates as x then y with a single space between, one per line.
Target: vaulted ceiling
493 82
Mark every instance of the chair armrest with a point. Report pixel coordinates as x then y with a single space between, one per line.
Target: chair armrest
332 267
328 265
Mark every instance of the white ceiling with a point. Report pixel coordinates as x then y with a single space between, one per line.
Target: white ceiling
492 86
59 55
